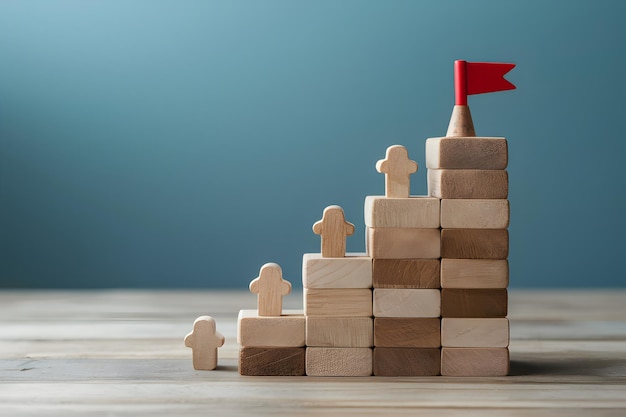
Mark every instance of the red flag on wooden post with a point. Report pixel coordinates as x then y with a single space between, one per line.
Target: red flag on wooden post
474 78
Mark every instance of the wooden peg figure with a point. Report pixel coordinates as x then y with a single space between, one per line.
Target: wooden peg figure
397 168
204 341
270 287
333 228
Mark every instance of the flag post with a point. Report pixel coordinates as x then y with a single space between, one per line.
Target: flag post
474 78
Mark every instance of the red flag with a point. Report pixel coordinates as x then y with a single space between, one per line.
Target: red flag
478 78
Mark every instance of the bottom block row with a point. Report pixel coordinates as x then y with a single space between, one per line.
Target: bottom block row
325 361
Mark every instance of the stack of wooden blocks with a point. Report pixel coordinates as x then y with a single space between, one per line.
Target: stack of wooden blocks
428 298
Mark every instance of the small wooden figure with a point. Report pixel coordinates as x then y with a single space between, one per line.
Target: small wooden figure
397 168
270 287
333 228
204 341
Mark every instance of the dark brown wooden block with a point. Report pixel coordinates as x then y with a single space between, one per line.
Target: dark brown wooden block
474 243
468 183
407 332
473 303
406 273
406 361
256 361
475 361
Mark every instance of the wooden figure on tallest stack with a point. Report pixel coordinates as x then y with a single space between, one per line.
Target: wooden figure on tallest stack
468 174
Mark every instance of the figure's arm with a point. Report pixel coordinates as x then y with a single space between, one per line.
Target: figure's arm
349 228
254 286
381 165
286 287
189 340
317 228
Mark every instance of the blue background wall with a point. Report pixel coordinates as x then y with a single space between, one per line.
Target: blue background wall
184 144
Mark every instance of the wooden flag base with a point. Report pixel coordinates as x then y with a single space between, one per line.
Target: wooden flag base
461 123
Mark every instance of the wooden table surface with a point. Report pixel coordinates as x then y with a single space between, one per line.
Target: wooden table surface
84 353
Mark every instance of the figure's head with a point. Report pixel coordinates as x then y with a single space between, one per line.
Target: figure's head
204 323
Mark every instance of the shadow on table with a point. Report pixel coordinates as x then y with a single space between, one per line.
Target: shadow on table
569 366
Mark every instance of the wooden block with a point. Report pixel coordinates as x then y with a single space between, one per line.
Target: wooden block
287 330
397 168
473 303
474 361
406 361
270 287
475 243
474 273
468 183
475 332
204 341
406 303
406 273
353 271
282 361
350 302
330 361
421 212
474 214
466 153
407 332
340 331
333 229
403 243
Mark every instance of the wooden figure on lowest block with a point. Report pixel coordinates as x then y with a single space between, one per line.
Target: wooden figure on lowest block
333 228
397 168
204 341
270 287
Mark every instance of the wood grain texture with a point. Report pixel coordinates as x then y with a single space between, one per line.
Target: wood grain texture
406 273
479 303
350 302
475 361
474 214
204 341
474 273
468 183
333 230
407 302
397 168
353 271
415 211
403 243
475 243
461 123
349 332
330 361
407 332
270 287
475 332
283 361
466 153
287 330
406 361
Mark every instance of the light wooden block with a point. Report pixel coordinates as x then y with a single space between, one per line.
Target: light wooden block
287 330
468 183
331 361
403 243
406 273
474 214
466 153
474 273
475 243
474 361
478 303
475 332
422 212
407 303
282 361
330 302
406 361
407 332
353 271
348 332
